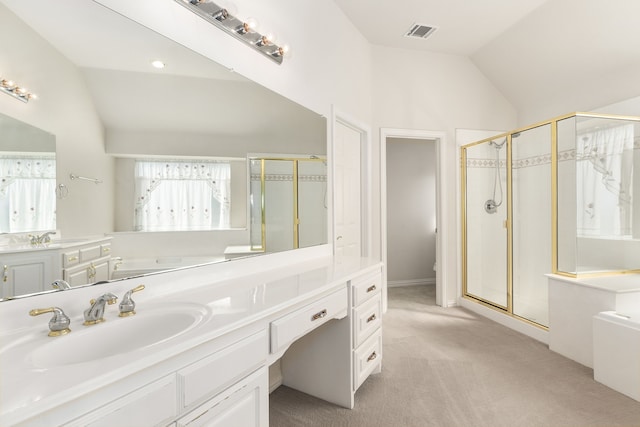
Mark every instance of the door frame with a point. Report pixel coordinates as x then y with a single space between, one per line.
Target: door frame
442 226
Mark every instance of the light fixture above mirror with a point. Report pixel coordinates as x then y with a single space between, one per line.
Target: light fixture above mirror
11 88
244 31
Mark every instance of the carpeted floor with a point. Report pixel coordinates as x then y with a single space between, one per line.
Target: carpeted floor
450 367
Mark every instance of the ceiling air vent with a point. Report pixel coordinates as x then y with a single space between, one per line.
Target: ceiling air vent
420 31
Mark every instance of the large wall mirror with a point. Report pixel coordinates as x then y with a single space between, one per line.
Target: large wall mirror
158 140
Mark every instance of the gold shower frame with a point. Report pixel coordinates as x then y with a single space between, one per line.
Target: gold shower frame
263 216
553 123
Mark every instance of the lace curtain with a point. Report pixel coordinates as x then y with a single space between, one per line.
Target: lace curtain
182 195
604 174
27 193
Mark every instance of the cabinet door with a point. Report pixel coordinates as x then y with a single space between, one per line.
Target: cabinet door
101 271
77 275
90 272
245 404
26 273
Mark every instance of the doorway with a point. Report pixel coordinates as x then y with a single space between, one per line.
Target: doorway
411 212
441 225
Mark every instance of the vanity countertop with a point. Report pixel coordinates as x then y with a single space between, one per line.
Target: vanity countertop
52 245
231 296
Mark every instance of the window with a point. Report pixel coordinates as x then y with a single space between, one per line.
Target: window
181 195
27 192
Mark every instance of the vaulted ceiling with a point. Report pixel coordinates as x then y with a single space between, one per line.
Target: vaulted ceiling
550 56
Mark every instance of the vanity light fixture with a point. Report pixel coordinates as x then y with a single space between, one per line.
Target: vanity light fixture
18 92
244 31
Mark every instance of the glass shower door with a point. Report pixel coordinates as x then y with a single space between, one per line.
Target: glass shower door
532 215
485 206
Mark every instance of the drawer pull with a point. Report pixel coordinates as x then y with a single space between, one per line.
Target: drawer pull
107 249
371 318
72 258
372 356
319 315
371 288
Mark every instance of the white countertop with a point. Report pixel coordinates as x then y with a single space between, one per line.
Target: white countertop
52 245
234 296
621 283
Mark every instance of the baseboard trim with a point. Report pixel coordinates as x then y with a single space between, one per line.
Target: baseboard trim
506 320
413 282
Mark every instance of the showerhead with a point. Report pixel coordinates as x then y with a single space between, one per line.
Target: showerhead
497 145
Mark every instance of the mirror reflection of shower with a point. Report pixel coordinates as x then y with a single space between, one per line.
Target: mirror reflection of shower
492 204
324 162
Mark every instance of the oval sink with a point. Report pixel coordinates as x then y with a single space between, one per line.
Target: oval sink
149 327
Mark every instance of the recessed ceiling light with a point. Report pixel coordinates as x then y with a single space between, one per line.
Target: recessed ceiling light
157 64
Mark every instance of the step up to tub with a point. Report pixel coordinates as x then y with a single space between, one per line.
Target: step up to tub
616 351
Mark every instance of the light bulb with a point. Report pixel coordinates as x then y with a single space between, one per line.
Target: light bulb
252 23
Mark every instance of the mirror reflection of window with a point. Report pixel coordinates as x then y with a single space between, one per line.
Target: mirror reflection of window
604 167
27 192
183 195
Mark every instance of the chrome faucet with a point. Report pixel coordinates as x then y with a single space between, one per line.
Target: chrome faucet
43 238
60 284
127 305
59 323
95 313
117 262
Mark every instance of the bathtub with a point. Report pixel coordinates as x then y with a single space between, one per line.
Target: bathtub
128 267
616 351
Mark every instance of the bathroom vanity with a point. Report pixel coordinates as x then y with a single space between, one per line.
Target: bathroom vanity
198 349
28 269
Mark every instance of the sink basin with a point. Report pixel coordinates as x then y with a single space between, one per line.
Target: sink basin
149 327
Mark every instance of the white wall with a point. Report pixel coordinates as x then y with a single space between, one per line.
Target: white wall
64 108
411 211
329 62
437 92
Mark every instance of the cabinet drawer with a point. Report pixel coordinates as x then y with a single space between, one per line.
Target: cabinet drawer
105 249
87 254
152 405
70 258
367 358
292 326
366 319
214 373
365 287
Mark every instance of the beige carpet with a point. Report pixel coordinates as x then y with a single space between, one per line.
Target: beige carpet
451 367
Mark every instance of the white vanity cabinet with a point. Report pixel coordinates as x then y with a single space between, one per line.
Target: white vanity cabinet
332 362
226 388
321 324
87 263
245 404
27 272
366 323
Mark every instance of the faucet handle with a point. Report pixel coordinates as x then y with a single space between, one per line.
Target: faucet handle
59 323
127 305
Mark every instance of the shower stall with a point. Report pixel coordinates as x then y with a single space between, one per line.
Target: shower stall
288 202
554 197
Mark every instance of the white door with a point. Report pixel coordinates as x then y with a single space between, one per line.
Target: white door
347 191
